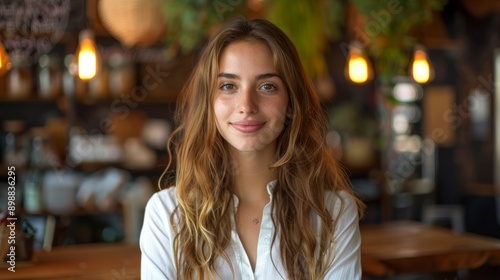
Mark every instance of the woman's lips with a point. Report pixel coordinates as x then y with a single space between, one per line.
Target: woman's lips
247 126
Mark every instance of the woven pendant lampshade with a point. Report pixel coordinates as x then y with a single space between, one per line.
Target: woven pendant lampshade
135 23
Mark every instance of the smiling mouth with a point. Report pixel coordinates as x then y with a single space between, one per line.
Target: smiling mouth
247 127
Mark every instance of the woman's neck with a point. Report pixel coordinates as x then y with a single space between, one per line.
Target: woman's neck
251 174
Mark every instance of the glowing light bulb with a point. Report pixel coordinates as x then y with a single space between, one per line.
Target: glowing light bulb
4 60
421 68
358 67
87 56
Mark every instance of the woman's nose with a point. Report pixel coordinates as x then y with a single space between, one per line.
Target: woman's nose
247 102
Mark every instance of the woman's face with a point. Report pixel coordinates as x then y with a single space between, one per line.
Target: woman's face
251 100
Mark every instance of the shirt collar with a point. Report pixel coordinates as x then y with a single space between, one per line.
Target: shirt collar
270 188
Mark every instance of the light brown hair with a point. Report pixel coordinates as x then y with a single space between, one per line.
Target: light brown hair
203 171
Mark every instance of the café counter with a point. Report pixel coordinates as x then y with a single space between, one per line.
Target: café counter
387 249
90 262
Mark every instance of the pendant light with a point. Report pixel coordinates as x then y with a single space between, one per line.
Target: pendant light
4 60
421 68
358 67
87 57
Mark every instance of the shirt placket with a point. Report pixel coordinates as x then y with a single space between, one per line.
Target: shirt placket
242 261
264 245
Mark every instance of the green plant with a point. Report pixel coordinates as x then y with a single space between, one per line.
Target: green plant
190 21
388 38
309 24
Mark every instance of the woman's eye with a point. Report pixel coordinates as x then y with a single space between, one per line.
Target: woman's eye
227 87
268 87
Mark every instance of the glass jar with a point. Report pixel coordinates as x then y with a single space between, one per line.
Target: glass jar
19 80
15 153
71 86
41 157
121 75
49 76
69 82
98 86
33 184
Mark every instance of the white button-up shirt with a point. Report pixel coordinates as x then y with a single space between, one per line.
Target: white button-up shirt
157 236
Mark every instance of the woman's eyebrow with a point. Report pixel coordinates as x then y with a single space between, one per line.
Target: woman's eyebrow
259 77
228 75
267 76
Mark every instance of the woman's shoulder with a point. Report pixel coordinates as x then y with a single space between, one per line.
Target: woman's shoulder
164 200
341 200
339 195
157 226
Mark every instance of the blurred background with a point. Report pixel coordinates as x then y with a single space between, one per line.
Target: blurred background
88 91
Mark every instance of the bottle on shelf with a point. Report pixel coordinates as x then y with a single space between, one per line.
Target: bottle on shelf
14 153
39 162
49 76
72 87
121 75
98 86
19 79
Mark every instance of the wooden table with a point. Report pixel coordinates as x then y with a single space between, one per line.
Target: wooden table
392 248
410 247
90 262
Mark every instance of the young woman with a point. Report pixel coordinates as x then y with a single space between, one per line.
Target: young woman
256 193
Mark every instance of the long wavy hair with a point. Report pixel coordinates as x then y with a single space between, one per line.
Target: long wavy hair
203 170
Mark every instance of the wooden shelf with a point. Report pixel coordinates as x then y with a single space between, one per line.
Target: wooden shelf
30 99
77 212
89 167
481 189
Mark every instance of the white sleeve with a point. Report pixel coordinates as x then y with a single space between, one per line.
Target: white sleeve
157 261
347 262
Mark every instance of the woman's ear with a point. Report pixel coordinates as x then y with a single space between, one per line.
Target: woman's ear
289 116
289 112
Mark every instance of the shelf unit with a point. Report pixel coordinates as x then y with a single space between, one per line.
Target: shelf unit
86 113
